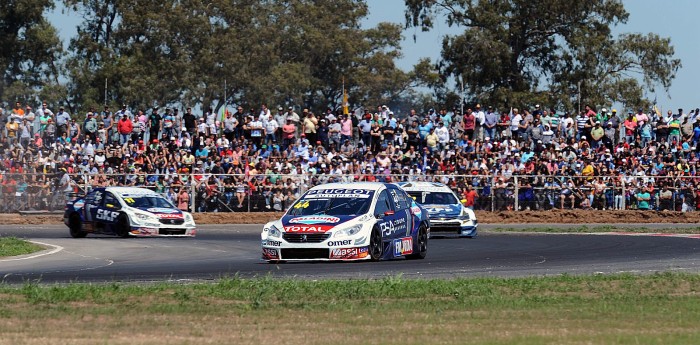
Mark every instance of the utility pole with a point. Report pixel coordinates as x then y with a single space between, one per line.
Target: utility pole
105 91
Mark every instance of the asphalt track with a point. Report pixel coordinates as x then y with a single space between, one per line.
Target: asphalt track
227 250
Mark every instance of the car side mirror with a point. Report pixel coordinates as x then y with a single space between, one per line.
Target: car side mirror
389 213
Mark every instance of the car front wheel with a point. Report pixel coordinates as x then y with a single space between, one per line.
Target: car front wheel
376 246
123 226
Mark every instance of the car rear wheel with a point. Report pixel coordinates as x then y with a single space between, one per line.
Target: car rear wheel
75 226
376 247
421 244
123 226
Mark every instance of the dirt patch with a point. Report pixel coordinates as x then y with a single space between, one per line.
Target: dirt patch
509 217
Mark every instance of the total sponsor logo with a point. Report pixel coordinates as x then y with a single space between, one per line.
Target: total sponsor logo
349 253
169 215
270 254
403 246
306 228
314 220
339 243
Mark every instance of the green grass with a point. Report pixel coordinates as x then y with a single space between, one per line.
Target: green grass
598 228
11 246
600 309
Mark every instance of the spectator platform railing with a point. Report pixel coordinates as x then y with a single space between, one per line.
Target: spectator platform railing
262 193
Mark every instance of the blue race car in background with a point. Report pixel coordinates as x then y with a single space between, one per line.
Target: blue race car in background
447 214
349 221
126 211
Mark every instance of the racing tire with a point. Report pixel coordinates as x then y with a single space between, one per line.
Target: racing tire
123 226
75 226
421 244
376 245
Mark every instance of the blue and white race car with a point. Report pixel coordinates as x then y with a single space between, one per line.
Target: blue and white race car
447 214
349 221
126 211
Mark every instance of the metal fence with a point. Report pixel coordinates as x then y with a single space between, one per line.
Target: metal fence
276 192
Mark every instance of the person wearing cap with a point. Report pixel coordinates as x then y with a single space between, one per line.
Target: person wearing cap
125 127
62 121
674 129
597 134
334 134
583 125
90 126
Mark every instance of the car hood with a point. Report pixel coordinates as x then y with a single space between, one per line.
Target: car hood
162 212
316 223
443 210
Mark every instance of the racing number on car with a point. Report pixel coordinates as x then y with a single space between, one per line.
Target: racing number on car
107 215
302 204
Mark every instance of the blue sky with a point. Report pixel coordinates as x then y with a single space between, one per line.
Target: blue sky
674 19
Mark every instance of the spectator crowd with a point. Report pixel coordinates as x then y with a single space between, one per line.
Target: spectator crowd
262 159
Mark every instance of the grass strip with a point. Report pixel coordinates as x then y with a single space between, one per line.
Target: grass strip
622 309
599 228
12 246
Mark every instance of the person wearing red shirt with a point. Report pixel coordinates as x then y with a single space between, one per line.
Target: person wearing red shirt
125 127
469 123
470 196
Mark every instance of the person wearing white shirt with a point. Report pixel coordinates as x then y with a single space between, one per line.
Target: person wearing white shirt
270 129
480 118
443 135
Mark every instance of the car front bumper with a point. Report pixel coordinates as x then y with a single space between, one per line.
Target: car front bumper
279 250
453 227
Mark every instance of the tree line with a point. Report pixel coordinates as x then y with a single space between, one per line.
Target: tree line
305 52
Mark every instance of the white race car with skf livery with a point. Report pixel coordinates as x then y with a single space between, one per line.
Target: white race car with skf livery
127 211
447 214
349 221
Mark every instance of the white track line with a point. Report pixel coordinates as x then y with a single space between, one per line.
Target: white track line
55 250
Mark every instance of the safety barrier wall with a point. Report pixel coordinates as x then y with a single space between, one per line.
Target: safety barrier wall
262 193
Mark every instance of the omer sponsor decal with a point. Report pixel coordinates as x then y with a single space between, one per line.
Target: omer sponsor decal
272 243
339 243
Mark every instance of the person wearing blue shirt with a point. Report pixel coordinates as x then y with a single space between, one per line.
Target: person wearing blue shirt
424 128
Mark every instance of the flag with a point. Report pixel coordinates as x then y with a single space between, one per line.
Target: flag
222 113
656 109
345 100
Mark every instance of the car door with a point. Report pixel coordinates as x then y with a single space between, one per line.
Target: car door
403 240
108 210
92 204
391 224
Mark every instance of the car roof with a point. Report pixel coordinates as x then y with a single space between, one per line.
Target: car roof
420 186
373 186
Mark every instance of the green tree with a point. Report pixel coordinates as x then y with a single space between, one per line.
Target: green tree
547 51
31 50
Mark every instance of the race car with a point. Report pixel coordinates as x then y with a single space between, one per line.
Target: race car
349 221
447 214
125 212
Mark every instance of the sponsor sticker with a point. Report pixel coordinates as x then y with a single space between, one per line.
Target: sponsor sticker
307 228
145 231
272 243
349 253
169 215
314 220
403 246
339 193
392 226
78 204
269 254
106 215
339 243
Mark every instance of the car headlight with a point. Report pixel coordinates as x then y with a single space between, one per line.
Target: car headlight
145 217
274 232
351 231
464 216
188 218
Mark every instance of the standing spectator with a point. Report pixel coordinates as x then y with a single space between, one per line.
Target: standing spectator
469 123
229 126
346 127
90 126
630 128
12 128
490 122
62 121
334 134
674 129
154 125
309 127
125 127
643 198
270 129
288 134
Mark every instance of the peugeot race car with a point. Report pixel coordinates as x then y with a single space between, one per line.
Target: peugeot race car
447 214
126 211
349 221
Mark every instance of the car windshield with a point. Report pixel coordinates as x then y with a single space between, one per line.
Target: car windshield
142 201
316 202
433 198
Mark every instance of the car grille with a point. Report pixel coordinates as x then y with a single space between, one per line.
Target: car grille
304 253
170 231
305 238
172 221
445 227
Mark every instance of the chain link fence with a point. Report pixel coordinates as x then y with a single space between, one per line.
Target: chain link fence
275 192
